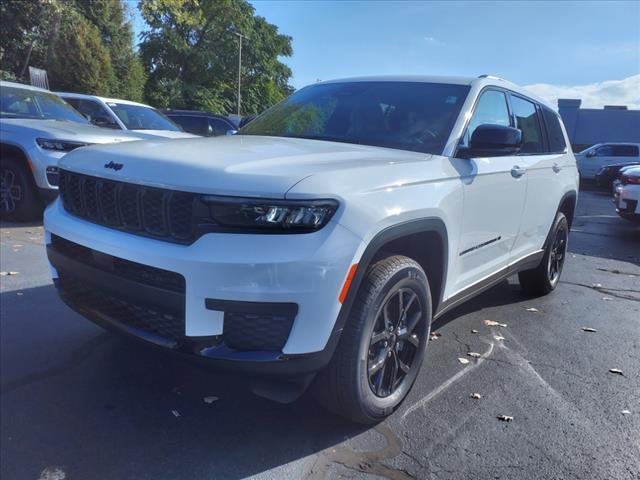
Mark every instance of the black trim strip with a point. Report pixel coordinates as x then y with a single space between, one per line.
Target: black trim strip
257 308
530 261
484 244
128 289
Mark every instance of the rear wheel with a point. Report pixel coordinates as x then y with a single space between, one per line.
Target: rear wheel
543 279
18 198
383 344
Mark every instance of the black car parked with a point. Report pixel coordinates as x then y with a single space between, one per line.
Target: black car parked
607 174
201 123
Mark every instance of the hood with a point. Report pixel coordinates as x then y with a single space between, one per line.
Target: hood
64 130
229 165
151 134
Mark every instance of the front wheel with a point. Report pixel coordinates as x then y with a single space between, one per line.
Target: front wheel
18 198
543 279
383 343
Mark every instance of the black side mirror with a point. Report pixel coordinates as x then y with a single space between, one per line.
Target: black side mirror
494 141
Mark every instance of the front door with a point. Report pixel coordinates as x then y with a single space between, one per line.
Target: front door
494 193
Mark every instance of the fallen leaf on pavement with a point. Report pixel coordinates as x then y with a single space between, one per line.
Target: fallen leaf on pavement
589 329
532 309
8 273
473 354
52 473
596 285
175 413
498 337
476 396
474 331
606 299
493 323
617 371
505 418
463 361
210 400
626 412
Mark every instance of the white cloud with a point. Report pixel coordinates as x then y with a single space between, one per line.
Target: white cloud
594 95
433 41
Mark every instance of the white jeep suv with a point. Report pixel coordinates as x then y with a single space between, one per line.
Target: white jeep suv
317 245
37 129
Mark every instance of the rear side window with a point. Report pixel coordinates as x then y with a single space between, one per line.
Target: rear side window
554 131
195 125
624 150
219 127
527 122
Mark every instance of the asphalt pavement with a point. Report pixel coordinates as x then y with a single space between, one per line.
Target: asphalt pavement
79 403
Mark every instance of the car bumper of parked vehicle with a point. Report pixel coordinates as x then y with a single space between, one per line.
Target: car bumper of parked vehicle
627 200
260 303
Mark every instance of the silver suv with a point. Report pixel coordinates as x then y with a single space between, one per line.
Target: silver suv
37 128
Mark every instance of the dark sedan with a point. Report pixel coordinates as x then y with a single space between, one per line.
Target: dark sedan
201 123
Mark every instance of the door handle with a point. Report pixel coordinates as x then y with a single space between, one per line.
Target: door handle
556 168
517 172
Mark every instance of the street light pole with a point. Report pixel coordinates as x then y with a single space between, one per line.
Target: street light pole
240 37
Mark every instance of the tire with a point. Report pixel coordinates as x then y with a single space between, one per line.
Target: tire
545 277
345 386
19 200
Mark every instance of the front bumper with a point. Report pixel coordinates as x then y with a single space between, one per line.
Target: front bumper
226 277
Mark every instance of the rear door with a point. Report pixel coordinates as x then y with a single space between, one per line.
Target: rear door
543 156
494 192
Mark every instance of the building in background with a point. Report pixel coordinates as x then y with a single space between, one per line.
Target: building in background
588 126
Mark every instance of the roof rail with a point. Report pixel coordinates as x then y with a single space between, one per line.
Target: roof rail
492 77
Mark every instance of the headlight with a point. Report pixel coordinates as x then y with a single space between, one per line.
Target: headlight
59 145
268 216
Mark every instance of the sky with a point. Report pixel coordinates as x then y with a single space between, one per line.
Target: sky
587 50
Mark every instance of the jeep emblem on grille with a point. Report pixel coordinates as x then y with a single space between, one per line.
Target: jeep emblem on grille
113 165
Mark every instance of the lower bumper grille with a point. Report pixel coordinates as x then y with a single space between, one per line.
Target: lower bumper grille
149 302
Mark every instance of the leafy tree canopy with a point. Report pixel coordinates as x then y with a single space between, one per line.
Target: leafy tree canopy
191 54
85 45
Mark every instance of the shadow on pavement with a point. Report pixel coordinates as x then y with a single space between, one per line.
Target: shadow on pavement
85 399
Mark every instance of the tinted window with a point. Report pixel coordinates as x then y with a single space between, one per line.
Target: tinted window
96 112
604 151
25 103
219 127
625 150
195 125
527 121
491 109
554 131
138 117
414 116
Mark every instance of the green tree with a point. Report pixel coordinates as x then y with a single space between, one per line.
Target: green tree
191 54
85 45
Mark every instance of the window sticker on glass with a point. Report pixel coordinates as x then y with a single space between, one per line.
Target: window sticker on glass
451 99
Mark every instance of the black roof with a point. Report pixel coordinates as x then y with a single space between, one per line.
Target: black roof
195 113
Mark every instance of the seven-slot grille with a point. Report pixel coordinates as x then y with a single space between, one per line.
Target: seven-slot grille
164 214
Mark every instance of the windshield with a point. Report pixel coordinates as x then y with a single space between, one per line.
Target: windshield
137 117
413 116
24 103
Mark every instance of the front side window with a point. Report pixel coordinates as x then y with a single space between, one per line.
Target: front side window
137 117
96 112
491 109
25 103
415 116
527 122
219 127
604 151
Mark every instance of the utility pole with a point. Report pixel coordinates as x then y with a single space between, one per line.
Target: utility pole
240 37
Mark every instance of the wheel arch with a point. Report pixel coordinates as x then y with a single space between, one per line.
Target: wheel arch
16 152
425 240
